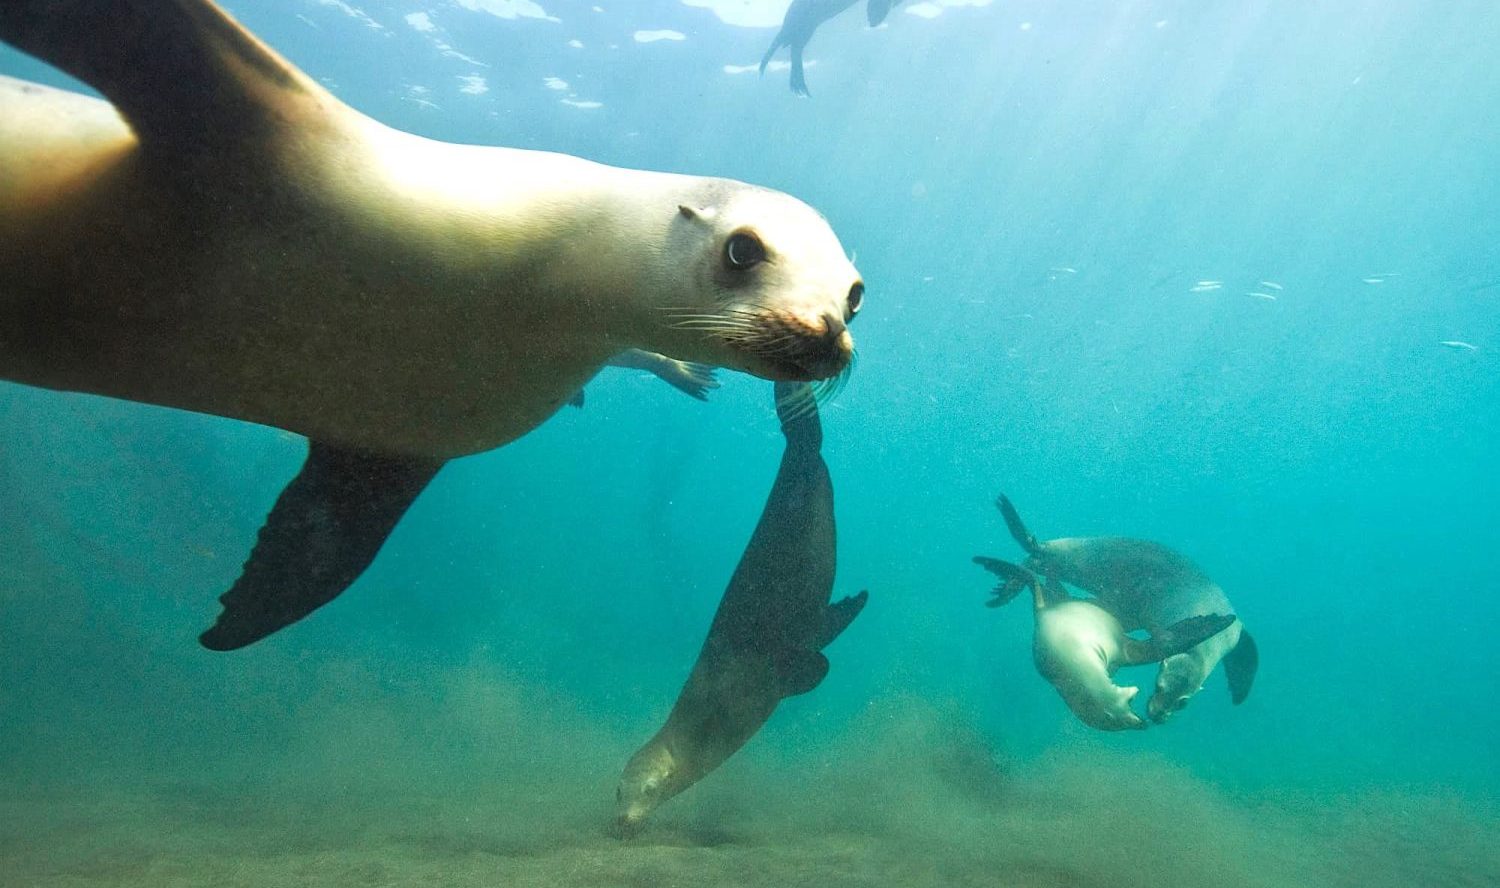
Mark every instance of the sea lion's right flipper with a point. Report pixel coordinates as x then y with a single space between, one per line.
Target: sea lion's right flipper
1239 667
1013 579
1017 527
839 615
799 671
694 380
1175 639
183 74
322 533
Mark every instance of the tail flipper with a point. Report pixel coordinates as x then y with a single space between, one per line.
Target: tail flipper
765 60
838 617
799 82
797 409
1239 667
183 74
877 10
1017 527
1175 639
1013 579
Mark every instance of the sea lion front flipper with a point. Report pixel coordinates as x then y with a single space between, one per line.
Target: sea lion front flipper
576 400
1174 639
694 380
839 615
799 671
799 82
322 533
183 74
1239 667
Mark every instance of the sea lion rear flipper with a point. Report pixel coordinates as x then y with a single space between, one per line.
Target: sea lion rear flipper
877 10
1239 667
1013 577
1174 639
765 60
322 533
1017 527
181 73
838 616
799 82
799 671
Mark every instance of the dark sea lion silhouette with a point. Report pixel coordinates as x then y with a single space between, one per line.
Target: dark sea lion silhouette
1145 585
767 637
224 235
800 22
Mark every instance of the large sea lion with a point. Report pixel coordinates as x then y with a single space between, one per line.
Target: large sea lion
1145 584
225 236
766 639
800 22
1078 645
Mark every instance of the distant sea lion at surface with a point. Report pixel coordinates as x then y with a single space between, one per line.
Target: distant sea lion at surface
228 237
766 639
1078 645
800 22
1145 584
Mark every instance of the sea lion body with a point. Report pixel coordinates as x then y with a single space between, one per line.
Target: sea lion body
766 638
1145 584
225 236
1078 646
802 20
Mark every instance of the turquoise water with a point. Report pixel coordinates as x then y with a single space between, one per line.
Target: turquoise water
1033 191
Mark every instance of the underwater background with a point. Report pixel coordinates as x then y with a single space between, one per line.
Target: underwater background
1039 195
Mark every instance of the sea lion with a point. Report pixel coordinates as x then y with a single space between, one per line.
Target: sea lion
1078 645
228 237
1147 584
800 22
766 639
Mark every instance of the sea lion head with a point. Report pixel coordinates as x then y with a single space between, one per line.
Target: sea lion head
1178 680
649 779
766 287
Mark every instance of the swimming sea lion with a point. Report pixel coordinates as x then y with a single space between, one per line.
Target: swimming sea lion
1146 584
802 19
767 636
1078 646
230 238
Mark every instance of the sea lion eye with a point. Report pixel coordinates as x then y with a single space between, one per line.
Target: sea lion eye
743 252
856 298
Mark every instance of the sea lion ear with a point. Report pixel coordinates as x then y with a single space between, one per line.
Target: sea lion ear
701 214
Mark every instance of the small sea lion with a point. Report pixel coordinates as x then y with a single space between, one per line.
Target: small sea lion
223 235
766 639
1146 584
1078 645
800 22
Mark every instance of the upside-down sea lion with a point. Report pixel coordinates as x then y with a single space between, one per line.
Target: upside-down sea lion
1145 584
225 236
1078 645
800 22
766 639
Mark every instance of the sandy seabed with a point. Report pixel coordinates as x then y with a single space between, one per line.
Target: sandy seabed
926 805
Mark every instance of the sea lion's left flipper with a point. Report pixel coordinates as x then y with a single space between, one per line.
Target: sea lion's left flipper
799 81
1174 639
694 380
1239 667
839 615
576 400
877 10
322 533
799 671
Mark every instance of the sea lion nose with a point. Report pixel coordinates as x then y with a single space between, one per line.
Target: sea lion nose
833 327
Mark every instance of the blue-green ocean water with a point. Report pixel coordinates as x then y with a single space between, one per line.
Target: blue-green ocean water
1032 191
